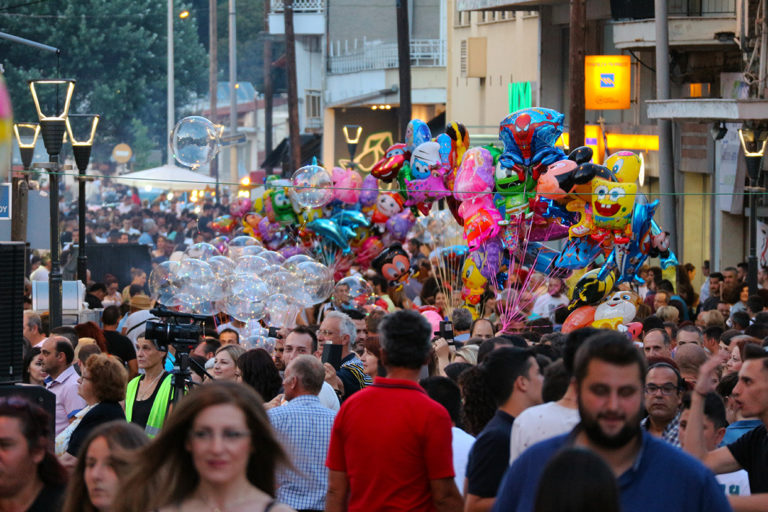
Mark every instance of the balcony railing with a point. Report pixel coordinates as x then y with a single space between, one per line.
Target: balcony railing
701 7
383 55
300 5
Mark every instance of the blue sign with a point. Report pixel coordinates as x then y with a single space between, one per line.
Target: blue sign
5 201
606 80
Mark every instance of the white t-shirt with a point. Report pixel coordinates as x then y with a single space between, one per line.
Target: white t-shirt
39 274
538 423
135 319
461 445
328 397
546 305
734 484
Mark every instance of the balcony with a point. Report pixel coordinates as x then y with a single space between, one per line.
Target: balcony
308 17
692 23
377 55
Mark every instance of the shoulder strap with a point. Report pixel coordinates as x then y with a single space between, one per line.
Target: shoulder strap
135 326
270 505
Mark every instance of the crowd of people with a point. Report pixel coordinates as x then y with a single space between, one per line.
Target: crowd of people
382 408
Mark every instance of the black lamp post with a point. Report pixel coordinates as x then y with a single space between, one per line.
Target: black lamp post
352 134
753 141
81 149
53 128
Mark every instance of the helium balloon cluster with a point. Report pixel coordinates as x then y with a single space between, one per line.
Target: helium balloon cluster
243 279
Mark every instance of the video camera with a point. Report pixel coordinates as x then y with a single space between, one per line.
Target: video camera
183 337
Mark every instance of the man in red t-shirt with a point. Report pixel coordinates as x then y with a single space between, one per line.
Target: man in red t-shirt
391 444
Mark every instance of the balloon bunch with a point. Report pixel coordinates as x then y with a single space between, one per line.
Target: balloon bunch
243 279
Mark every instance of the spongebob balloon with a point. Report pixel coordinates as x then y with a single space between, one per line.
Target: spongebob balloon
625 166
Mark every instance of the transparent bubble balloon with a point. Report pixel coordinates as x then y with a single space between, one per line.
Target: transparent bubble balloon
194 141
292 263
221 243
256 336
193 280
161 282
273 257
202 251
251 265
280 280
237 244
251 250
245 300
352 292
316 280
223 268
313 186
282 311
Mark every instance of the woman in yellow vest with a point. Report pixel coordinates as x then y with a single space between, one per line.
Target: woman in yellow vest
148 396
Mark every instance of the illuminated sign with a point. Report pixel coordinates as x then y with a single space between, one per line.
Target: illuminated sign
607 82
612 142
520 96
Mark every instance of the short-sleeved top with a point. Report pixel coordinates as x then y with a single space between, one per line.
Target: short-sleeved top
68 401
352 375
538 423
751 452
391 440
120 346
662 479
489 457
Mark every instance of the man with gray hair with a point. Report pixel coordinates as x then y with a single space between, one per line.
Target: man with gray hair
304 428
462 323
33 329
338 329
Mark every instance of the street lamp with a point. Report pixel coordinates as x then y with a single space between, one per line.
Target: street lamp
53 127
81 149
753 141
352 134
26 138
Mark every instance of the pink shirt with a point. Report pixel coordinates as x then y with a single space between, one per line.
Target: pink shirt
68 402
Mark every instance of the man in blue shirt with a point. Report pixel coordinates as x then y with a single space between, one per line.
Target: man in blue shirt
304 427
609 373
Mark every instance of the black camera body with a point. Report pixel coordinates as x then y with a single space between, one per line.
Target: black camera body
184 337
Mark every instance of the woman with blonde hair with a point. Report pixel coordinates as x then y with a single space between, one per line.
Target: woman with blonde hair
225 362
217 451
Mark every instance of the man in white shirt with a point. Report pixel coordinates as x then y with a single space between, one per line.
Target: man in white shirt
555 297
136 321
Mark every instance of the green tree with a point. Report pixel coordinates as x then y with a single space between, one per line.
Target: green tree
116 50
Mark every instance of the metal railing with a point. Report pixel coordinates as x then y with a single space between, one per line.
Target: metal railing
383 55
300 5
701 7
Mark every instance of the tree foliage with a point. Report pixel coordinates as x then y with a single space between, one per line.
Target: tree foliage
116 50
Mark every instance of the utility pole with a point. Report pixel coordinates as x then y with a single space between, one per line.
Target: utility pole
293 98
233 174
267 82
578 30
170 112
666 163
213 78
404 63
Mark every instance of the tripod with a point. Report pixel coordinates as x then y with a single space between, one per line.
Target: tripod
181 376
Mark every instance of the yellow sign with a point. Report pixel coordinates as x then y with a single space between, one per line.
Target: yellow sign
607 82
122 153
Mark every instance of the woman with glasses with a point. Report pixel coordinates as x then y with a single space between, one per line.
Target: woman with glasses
102 463
217 451
102 386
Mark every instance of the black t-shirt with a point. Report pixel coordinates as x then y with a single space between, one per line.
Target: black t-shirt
141 409
120 346
93 301
751 452
50 499
489 456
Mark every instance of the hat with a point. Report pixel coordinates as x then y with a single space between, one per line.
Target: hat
141 301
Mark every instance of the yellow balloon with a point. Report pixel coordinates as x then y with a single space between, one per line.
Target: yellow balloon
625 165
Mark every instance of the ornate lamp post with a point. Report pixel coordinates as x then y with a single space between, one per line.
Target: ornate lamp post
352 133
753 141
53 127
82 152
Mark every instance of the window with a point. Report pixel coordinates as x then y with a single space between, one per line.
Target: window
463 57
313 104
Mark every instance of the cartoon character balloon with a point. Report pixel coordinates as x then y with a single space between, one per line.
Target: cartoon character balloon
473 186
393 265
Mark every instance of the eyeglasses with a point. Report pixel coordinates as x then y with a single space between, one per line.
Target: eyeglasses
666 389
229 436
326 332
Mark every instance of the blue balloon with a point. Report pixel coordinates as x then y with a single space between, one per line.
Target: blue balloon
416 134
352 218
329 230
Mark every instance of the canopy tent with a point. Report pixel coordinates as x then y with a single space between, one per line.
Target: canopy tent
168 177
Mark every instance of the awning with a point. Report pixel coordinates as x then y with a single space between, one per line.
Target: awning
167 177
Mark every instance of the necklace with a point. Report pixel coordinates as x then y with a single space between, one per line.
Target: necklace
149 387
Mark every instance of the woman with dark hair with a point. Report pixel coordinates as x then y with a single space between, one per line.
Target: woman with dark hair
258 370
113 297
102 386
577 480
32 372
217 451
372 357
102 463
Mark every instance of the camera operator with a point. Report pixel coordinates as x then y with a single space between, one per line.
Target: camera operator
148 396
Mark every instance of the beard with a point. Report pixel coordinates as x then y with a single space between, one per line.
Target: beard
591 426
